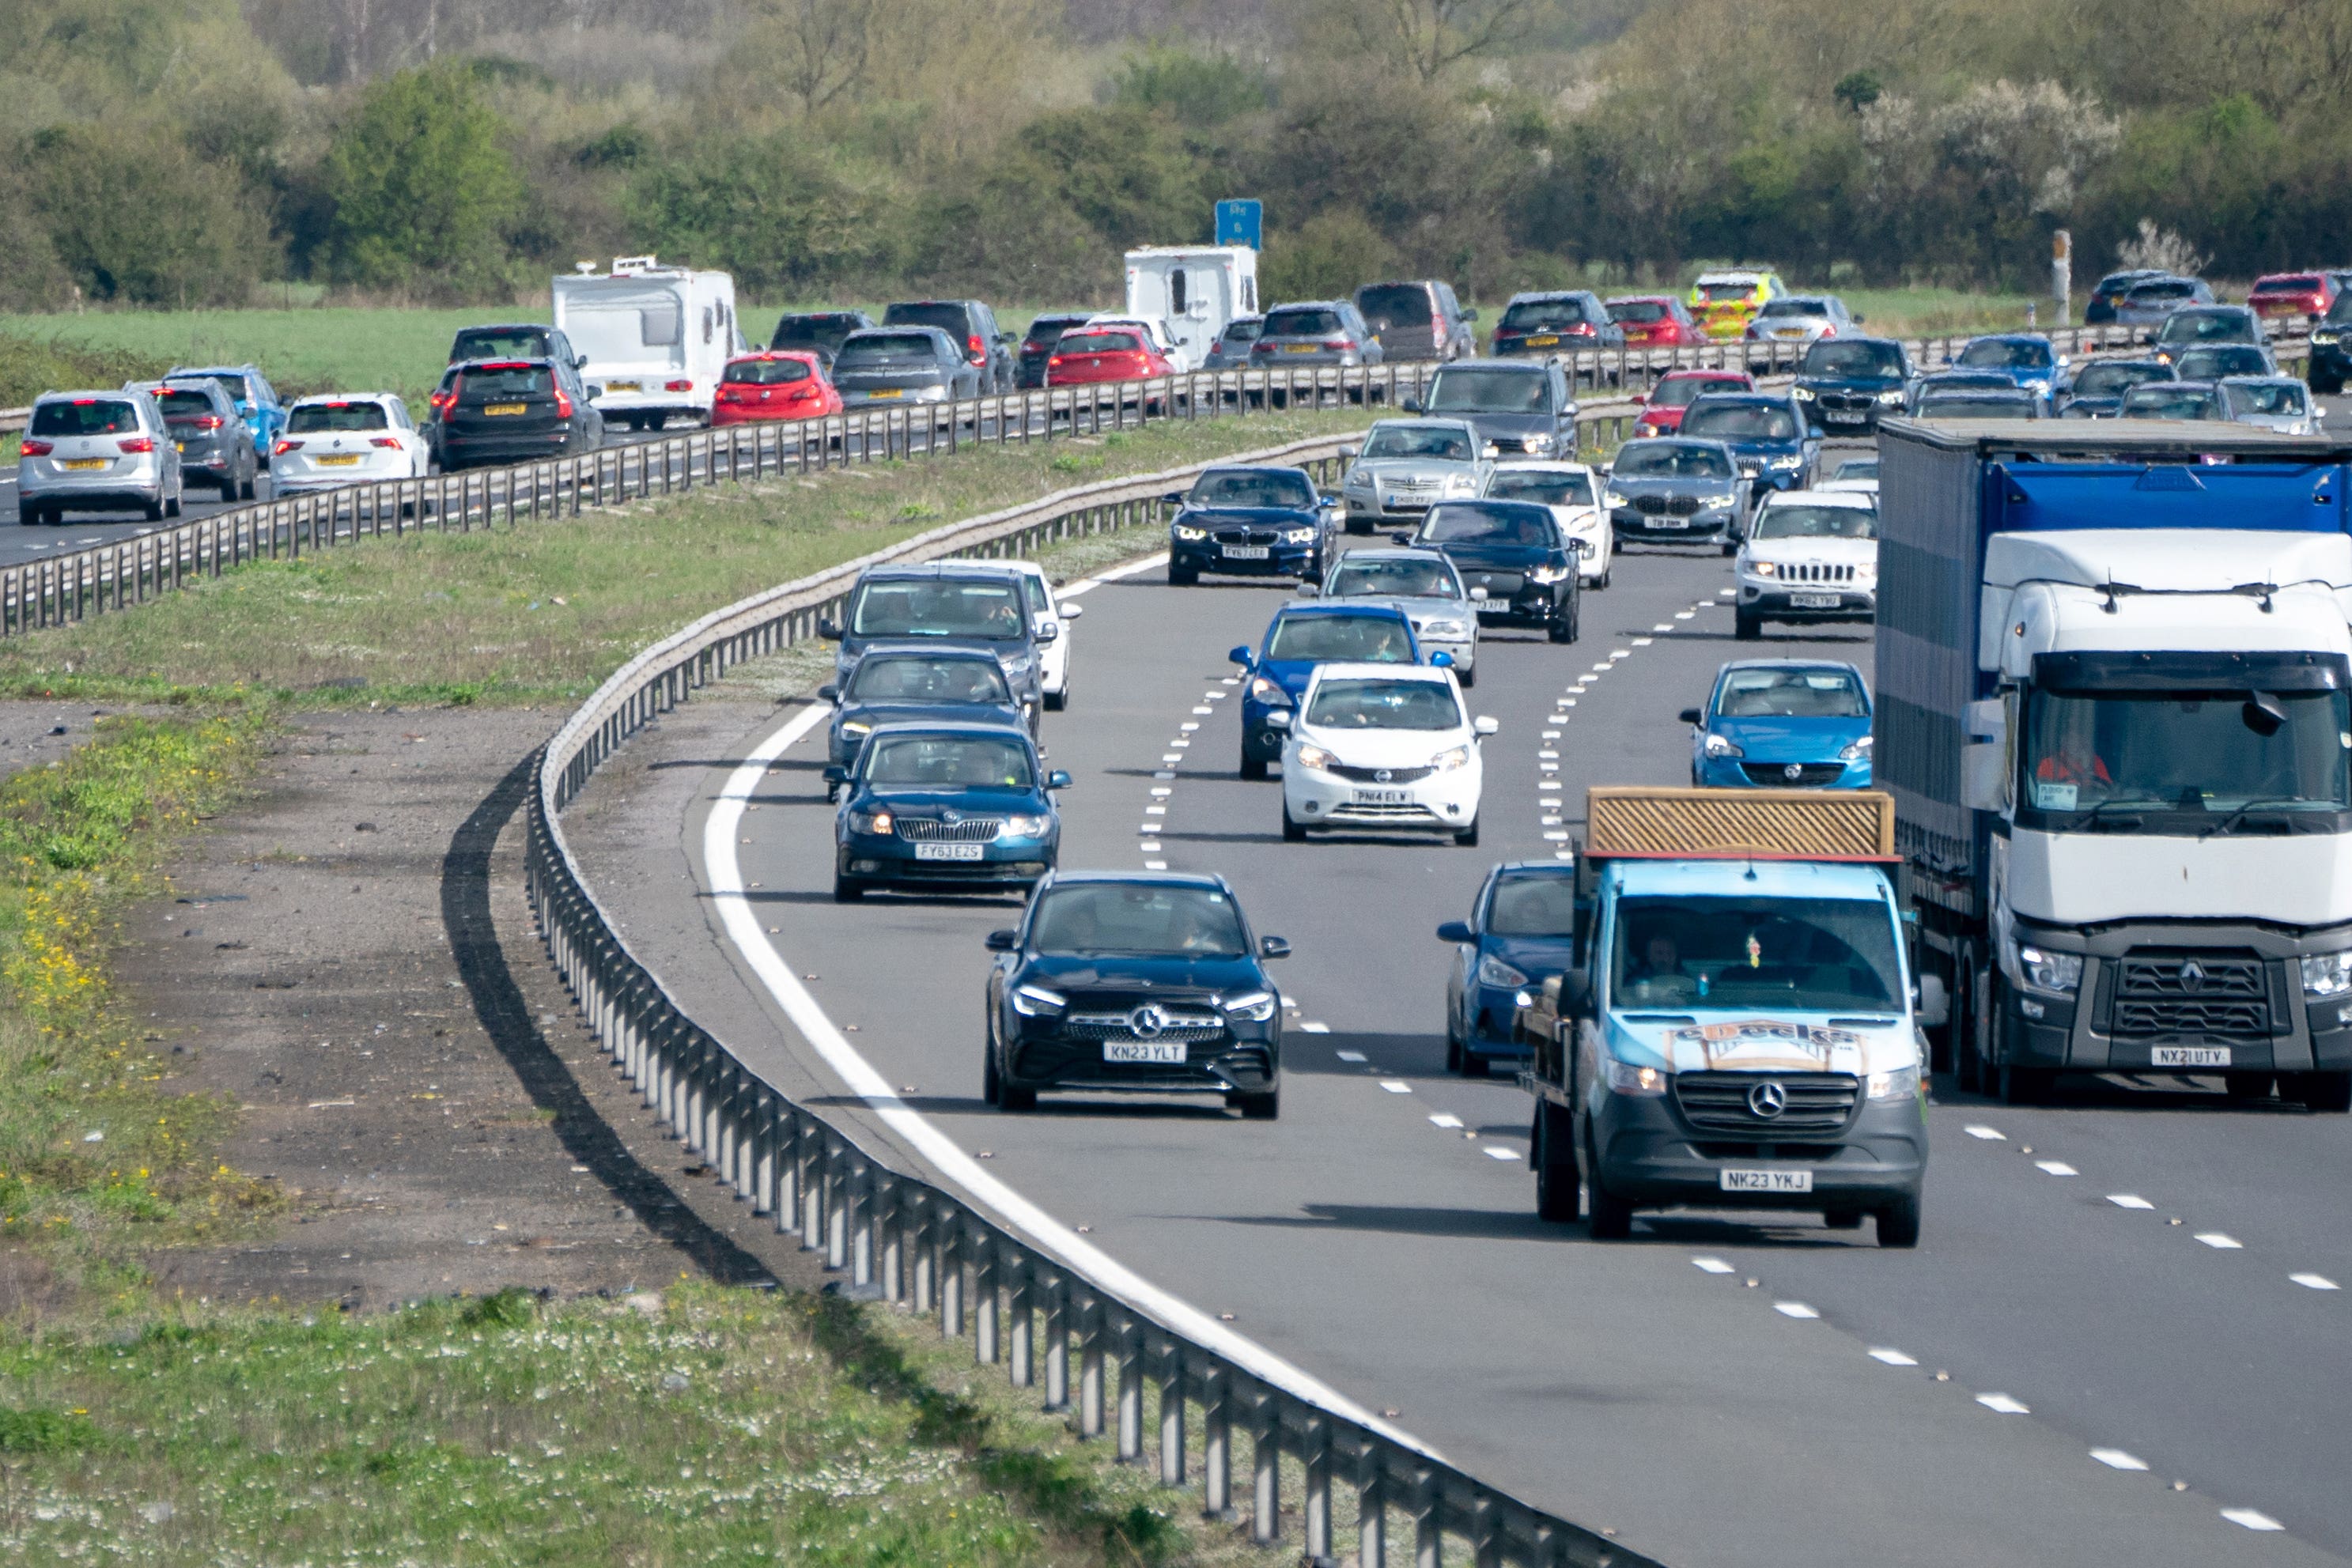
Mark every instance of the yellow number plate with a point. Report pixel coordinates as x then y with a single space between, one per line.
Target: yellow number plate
1543 342
886 392
624 386
83 463
344 461
504 408
1301 348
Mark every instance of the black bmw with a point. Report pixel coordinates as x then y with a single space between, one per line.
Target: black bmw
1124 983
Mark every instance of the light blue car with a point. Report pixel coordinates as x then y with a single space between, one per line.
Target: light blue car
1782 724
2025 359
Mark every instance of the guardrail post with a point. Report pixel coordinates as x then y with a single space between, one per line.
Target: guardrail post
811 1185
1428 1523
1315 1508
861 1227
1058 1343
891 1202
836 1204
1216 1444
1172 1414
764 1147
1022 1311
927 1257
1486 1534
1130 1393
1371 1508
1090 1367
951 1273
1266 1461
984 1301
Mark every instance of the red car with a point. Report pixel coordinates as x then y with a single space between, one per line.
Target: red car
1104 354
776 383
1655 322
2285 294
1663 412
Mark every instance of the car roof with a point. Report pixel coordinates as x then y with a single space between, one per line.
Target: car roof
1736 275
509 326
1491 502
1543 465
1709 442
2040 338
1425 422
342 397
1757 399
992 729
1530 868
108 395
916 571
1643 300
1311 305
1695 373
1307 607
1159 878
2260 381
1538 296
1746 878
1256 467
1851 499
1334 669
927 647
1842 338
245 370
1849 667
1394 552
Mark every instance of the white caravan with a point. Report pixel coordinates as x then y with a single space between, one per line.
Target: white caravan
1195 290
653 339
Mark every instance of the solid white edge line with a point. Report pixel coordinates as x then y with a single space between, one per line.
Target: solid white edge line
1017 1213
1132 569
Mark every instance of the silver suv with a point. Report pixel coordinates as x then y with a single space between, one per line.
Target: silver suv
1407 466
97 452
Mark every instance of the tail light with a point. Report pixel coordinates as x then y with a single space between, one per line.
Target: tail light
208 421
668 386
32 448
1052 361
1340 345
388 442
1582 329
1032 347
283 447
449 398
1437 329
978 351
137 444
563 403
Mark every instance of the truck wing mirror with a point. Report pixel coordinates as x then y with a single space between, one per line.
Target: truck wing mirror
1984 776
1576 993
1935 1006
1987 719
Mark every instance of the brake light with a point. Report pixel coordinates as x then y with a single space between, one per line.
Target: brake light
449 403
283 447
1032 347
562 403
668 386
973 347
390 444
1582 329
1052 360
208 421
1341 344
37 448
137 444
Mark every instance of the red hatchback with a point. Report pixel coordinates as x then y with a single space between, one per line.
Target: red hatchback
1661 414
779 383
1655 322
1103 354
2285 294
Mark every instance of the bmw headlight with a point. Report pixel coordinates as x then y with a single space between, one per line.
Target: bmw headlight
856 726
1251 1006
1188 533
1036 1001
1314 757
1451 757
1270 693
1615 499
2040 969
1762 568
1493 971
1858 752
871 821
1804 394
1716 503
1624 1078
1895 1083
1024 827
1547 573
1717 746
2327 975
1793 460
1299 536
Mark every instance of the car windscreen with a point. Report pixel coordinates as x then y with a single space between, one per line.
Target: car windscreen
85 416
1680 392
1353 704
1304 324
2164 403
2111 379
1822 692
184 402
1490 392
1547 486
1437 441
1796 954
1045 331
2140 754
1976 405
1340 639
2166 292
1852 359
1472 522
2002 354
230 383
2341 313
872 350
2210 364
1857 469
1669 460
1283 488
1241 332
493 383
311 417
938 607
1151 920
1549 316
1099 343
2268 397
949 319
916 678
766 372
822 331
1742 422
2208 326
1540 905
948 762
1795 307
1395 305
1726 292
1785 520
1421 577
499 343
1637 312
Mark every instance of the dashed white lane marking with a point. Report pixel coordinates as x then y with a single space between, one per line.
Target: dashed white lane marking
1726 592
2055 1168
1445 1119
1502 1152
1684 614
1155 810
1173 757
1155 865
1317 1027
1893 1357
1189 726
2314 1281
2116 1459
2128 1200
1396 1086
1351 1056
1643 642
2250 1518
1547 756
1162 791
1794 1309
2002 1404
1204 707
1711 1265
2221 1241
1976 1131
1666 626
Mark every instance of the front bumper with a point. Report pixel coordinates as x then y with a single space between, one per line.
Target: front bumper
1392 506
1770 773
1779 603
466 452
1260 742
1279 561
1437 802
1494 1017
1246 1057
1649 1155
1532 604
887 858
1714 525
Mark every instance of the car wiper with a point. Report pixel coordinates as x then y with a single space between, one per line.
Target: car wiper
2230 823
2089 822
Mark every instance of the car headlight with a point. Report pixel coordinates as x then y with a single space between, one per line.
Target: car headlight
1460 485
1024 827
1892 394
1804 394
1314 757
2318 336
1762 568
1793 460
1895 1083
2040 969
871 821
1036 1001
1614 499
2328 974
1548 573
1624 1078
1252 1007
1717 746
1536 441
1443 631
1451 757
1716 503
1358 479
1188 533
1299 536
1493 971
1269 692
1859 751
856 726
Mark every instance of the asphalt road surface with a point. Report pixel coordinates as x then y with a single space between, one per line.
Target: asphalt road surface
2119 1341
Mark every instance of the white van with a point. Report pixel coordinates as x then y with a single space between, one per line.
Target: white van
1195 290
653 339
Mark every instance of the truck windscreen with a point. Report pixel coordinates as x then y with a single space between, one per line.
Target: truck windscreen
1805 955
2140 760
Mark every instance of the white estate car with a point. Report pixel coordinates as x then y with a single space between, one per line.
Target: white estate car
1573 492
1052 656
1810 556
1424 584
347 438
1382 746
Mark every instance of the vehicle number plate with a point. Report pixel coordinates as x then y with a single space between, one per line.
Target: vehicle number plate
1301 348
2190 1056
1160 1052
1547 340
505 408
83 463
179 446
1813 600
1790 333
887 392
1669 522
1766 1181
1383 797
344 461
1837 417
1248 552
947 851
624 386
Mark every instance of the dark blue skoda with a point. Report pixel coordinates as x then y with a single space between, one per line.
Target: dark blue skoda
1521 930
945 807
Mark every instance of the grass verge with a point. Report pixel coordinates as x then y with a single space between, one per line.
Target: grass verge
30 366
544 612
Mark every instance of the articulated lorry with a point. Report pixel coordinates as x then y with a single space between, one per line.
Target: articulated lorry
2115 712
1740 1029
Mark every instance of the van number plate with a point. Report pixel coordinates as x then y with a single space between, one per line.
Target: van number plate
2190 1056
1766 1181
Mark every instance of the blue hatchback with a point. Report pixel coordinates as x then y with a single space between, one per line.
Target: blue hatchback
264 410
2025 359
945 806
1782 724
1521 930
1300 637
1770 434
1263 520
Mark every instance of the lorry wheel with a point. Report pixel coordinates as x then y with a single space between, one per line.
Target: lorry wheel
1898 1222
2246 1086
2330 1093
2026 1085
1558 1198
1607 1218
1744 627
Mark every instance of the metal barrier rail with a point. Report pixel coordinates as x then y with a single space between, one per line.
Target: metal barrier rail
899 1237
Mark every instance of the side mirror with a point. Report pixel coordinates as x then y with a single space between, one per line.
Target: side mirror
1058 779
1984 776
1441 660
835 773
1411 405
1331 498
1348 454
580 361
829 691
1273 947
1948 359
1471 314
1242 656
1478 596
1692 717
1485 724
1047 632
1002 941
1862 320
1640 397
1934 1007
1278 719
1456 931
1174 497
829 629
1398 537
1069 609
1308 589
1576 993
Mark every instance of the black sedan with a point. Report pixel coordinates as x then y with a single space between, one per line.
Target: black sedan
914 683
1255 521
957 807
2097 390
1517 552
1127 983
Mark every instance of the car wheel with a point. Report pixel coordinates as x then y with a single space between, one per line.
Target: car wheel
1453 1045
1557 1198
1056 701
2327 1093
1843 1220
1563 627
1293 831
1251 767
845 891
1747 627
1607 1216
27 514
1264 1107
1182 576
992 1082
1468 837
1360 526
1467 674
1601 582
1898 1222
154 510
172 505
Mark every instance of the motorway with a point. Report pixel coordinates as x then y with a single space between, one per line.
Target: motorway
2119 1341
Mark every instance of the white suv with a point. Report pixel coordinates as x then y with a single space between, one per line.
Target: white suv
347 438
97 452
1053 655
1381 746
1810 556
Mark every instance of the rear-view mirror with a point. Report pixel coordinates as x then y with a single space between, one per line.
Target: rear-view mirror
828 691
1173 498
1278 719
1411 406
1441 660
1471 314
829 629
1398 537
1069 609
1308 589
1002 941
1478 596
1456 931
1048 631
836 774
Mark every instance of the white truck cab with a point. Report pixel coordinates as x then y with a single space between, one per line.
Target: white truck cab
653 339
1196 289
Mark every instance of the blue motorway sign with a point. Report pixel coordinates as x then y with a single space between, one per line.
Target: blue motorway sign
1241 223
